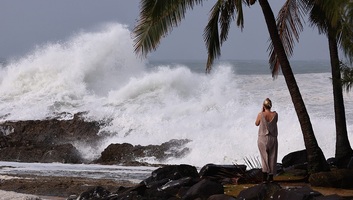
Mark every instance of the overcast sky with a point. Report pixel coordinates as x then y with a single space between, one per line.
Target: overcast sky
27 23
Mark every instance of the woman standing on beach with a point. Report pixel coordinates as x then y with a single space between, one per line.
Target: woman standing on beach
267 140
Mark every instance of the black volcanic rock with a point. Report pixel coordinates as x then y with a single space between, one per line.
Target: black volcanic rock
46 132
296 158
64 153
128 154
52 140
49 140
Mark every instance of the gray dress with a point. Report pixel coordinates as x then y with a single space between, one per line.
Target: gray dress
267 143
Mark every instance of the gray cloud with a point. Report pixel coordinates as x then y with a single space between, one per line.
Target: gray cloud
25 24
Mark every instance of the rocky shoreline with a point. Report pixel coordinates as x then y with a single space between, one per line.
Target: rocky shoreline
175 182
53 140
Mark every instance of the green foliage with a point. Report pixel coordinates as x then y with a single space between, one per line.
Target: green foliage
157 19
335 17
347 77
289 27
222 14
346 30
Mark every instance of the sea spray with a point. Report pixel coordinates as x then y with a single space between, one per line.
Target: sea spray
66 76
150 103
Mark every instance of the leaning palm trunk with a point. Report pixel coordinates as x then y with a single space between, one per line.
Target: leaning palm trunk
316 158
343 148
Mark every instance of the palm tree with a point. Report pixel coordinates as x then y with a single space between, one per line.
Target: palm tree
333 25
158 17
329 17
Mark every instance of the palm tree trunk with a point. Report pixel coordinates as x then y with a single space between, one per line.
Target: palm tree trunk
316 158
343 148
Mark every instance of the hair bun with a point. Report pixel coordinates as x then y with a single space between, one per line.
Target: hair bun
268 103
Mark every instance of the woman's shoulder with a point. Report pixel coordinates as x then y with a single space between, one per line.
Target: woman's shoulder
275 114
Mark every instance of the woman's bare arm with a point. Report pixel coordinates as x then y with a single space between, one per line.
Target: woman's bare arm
258 119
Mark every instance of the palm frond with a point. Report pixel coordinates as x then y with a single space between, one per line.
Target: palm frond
317 18
211 36
240 16
330 14
345 36
157 19
226 15
289 27
252 162
346 40
221 14
347 77
332 10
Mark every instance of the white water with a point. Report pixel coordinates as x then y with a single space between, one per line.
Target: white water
10 170
98 72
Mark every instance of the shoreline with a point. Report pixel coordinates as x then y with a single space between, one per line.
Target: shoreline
5 195
27 187
57 187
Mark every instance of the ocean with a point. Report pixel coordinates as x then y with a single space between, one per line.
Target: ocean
150 102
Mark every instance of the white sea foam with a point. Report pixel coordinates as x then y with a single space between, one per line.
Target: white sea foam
98 72
6 195
133 174
67 75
